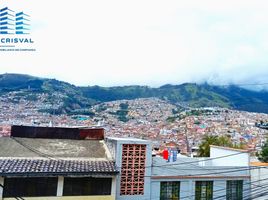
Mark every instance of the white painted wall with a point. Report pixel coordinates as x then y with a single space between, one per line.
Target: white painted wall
113 189
60 186
259 178
239 159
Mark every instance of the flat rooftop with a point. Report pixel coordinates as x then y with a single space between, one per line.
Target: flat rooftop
56 148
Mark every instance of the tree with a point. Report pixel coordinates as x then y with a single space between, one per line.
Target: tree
204 147
224 141
263 155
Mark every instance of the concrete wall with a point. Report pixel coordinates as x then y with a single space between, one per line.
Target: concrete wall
239 159
118 157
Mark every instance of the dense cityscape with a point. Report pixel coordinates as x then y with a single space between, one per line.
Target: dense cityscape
146 118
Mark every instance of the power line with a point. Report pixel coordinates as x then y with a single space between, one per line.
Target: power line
49 156
11 193
224 189
248 183
165 165
247 168
197 161
248 189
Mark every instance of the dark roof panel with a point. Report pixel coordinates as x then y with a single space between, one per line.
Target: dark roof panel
42 167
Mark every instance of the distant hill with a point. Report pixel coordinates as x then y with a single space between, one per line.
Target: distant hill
69 96
189 94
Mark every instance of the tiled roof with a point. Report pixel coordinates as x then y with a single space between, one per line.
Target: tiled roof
45 167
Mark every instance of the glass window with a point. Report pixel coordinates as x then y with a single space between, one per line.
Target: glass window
234 190
203 190
30 187
87 186
170 190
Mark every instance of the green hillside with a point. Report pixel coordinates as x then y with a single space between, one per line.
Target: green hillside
79 98
28 87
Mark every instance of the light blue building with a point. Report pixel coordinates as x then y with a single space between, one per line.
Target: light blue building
225 175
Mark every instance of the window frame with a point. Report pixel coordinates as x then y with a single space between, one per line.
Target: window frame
199 186
87 186
30 186
234 189
170 190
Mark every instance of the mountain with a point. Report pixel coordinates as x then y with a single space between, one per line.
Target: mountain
65 97
75 98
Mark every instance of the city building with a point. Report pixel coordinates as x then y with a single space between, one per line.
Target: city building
39 163
224 175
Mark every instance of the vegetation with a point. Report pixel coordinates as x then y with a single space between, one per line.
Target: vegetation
263 155
171 119
204 147
123 112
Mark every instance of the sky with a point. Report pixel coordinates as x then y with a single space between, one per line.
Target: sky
144 42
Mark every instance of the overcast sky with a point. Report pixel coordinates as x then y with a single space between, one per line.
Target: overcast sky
147 42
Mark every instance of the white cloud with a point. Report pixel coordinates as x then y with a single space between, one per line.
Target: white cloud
148 42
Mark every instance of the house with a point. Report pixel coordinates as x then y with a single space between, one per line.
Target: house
222 176
39 163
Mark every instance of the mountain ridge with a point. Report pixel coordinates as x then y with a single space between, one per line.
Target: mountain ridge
190 94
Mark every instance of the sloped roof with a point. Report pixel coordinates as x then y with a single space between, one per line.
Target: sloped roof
42 167
49 157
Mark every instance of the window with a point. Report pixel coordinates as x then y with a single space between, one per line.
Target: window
87 186
30 187
203 190
170 190
234 190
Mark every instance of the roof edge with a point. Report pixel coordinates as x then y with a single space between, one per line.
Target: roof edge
231 149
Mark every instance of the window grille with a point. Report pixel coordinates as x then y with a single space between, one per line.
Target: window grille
234 190
170 190
203 190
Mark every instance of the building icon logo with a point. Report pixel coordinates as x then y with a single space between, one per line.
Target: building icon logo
14 23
